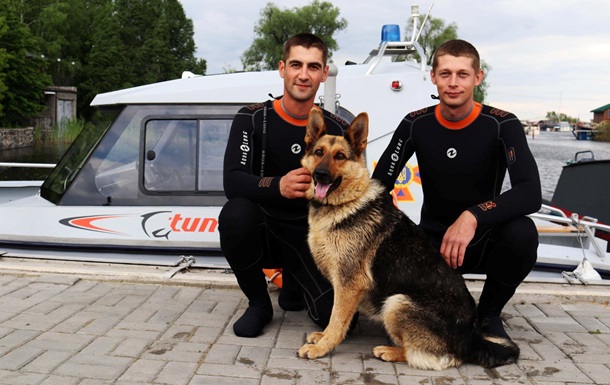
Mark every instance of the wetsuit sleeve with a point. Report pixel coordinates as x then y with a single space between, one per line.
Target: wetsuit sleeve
238 176
399 151
525 195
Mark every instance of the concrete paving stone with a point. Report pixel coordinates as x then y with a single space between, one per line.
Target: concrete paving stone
6 315
230 371
47 361
216 380
176 373
592 358
591 342
170 351
598 372
5 331
313 377
562 371
527 353
288 359
29 322
554 324
569 343
206 335
179 332
101 324
60 342
346 361
18 338
553 309
529 310
19 378
222 354
89 381
142 371
137 334
94 366
279 377
419 380
363 378
60 380
102 345
518 324
58 279
19 357
266 340
550 353
288 339
592 324
253 356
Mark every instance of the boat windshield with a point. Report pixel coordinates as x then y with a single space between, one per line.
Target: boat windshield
73 159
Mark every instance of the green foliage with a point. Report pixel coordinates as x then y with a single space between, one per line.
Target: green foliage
68 130
276 26
95 45
555 117
603 132
22 83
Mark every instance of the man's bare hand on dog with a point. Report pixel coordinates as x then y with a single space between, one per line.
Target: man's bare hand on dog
457 238
295 183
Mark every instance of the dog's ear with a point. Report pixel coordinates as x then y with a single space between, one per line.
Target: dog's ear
316 128
358 132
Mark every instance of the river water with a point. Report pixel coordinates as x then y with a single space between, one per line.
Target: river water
551 150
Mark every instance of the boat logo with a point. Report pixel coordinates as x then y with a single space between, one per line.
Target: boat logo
451 153
156 224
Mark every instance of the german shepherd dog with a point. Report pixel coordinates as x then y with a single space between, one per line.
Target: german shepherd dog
380 263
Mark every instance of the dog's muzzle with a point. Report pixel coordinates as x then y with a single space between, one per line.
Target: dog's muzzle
323 183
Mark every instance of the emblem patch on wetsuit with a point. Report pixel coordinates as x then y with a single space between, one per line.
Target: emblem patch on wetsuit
451 153
511 155
487 205
295 148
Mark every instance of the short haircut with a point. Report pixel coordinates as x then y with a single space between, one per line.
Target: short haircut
457 48
306 40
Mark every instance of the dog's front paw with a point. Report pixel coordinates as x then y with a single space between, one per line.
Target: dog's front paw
314 337
311 351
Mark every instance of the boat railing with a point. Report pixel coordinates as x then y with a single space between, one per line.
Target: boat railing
584 226
27 165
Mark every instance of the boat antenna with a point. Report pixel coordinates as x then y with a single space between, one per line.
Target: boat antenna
424 22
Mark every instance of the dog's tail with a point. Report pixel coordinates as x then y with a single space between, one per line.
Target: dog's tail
491 351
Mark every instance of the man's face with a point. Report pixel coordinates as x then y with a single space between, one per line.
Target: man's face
303 72
455 79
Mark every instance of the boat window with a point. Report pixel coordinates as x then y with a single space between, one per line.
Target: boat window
214 137
170 155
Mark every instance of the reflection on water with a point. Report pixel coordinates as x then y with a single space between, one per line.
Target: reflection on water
39 153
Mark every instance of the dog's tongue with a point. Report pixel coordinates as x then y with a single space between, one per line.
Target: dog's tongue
321 190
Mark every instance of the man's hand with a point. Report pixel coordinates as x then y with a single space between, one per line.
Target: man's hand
295 183
457 238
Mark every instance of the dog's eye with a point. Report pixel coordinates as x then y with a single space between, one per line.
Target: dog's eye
318 152
340 156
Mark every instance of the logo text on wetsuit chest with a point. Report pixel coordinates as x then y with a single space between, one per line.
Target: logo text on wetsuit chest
245 148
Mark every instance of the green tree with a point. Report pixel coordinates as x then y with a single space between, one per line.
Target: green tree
276 26
22 77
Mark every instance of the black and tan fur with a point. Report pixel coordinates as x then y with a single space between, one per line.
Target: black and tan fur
380 263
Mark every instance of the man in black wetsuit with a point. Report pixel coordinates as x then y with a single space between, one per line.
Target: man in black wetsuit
464 150
264 223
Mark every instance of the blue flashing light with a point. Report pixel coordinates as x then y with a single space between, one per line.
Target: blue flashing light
390 32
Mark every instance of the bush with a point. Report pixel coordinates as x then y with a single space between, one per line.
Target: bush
68 130
603 132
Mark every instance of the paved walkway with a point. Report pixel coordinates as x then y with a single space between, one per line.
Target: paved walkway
87 324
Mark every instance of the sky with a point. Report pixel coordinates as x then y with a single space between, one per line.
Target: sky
546 55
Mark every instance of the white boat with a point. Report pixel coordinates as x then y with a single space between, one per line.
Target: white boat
144 184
